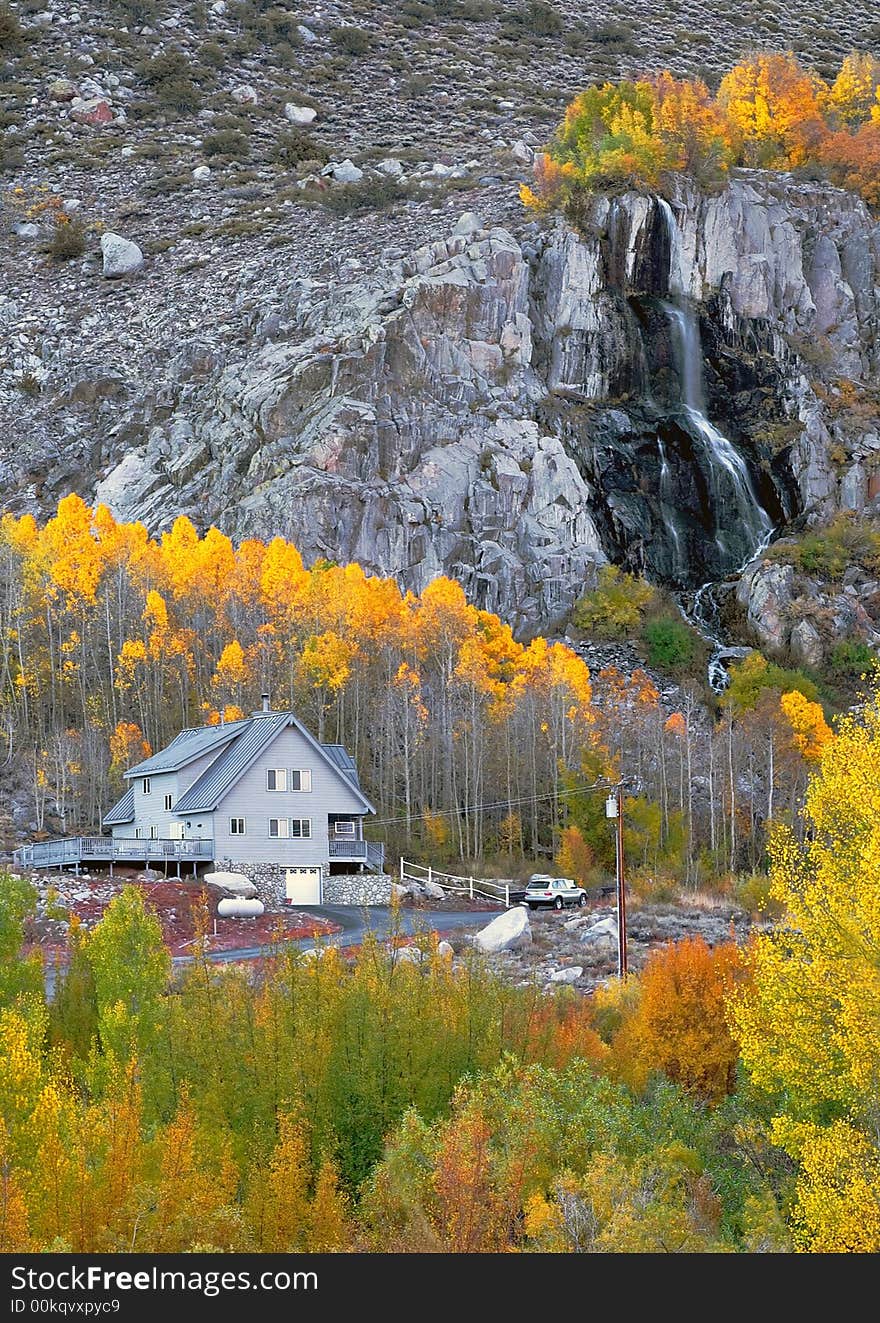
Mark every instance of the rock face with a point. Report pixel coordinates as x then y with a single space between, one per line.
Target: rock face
513 411
509 931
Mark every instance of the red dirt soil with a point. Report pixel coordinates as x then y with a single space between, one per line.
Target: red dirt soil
176 904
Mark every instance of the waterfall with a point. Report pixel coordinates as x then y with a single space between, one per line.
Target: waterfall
728 470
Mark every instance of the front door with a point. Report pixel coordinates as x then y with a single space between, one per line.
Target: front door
303 886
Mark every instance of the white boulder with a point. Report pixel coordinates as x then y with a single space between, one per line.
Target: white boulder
509 931
570 974
244 95
344 172
445 950
302 115
201 173
434 891
237 883
121 256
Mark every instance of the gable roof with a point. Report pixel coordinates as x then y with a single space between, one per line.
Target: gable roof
121 812
186 746
253 736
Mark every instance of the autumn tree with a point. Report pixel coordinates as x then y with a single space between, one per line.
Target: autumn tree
808 1023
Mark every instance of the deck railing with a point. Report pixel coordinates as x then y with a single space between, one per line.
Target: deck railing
372 852
80 849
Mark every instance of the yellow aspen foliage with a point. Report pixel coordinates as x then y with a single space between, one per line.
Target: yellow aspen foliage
574 858
809 1024
855 89
838 1187
14 1231
809 730
127 746
328 1230
278 1200
194 1189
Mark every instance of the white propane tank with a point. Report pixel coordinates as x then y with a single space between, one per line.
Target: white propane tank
239 908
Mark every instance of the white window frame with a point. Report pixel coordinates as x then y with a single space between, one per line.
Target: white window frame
176 831
279 834
137 833
154 833
277 773
234 830
301 835
146 788
349 824
304 774
169 800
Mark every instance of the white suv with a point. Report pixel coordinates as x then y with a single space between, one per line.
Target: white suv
553 891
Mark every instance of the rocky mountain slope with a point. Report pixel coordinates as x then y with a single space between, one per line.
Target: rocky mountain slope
371 347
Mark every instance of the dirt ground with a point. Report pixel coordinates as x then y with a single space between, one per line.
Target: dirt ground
176 904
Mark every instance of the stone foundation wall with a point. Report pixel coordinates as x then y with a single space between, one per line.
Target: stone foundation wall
357 889
339 889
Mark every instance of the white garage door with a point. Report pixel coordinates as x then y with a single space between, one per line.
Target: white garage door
303 886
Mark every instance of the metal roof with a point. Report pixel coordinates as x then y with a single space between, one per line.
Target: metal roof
208 789
186 746
123 811
338 754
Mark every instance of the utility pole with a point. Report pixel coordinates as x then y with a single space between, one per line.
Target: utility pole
614 809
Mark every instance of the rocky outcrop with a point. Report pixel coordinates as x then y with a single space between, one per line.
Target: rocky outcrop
512 411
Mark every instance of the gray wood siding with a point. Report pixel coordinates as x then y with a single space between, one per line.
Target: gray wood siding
149 811
251 800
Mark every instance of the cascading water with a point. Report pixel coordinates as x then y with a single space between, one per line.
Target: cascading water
730 476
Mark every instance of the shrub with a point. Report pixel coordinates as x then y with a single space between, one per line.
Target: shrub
851 658
614 608
10 29
226 142
295 145
68 241
369 195
753 894
354 41
672 644
168 75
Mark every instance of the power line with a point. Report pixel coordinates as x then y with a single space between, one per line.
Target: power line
498 803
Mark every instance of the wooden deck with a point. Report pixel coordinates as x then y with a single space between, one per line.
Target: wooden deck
73 851
350 850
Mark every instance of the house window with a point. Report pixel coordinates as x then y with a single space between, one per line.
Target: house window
345 829
145 785
154 833
278 827
237 827
168 799
276 778
300 778
137 833
301 828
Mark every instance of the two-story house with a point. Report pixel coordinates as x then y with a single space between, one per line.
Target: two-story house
263 797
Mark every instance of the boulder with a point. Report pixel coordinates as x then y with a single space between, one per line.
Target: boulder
468 223
522 153
509 931
445 950
301 115
344 172
62 89
570 974
95 112
244 95
390 166
234 882
806 644
434 891
121 256
411 955
202 173
399 892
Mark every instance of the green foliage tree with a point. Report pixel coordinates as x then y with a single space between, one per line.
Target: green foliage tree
20 975
131 968
615 608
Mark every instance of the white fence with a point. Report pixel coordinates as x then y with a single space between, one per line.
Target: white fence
479 888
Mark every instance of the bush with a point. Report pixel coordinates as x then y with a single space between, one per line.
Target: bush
168 75
672 644
226 142
753 895
295 145
354 41
68 241
369 195
615 607
851 658
10 29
